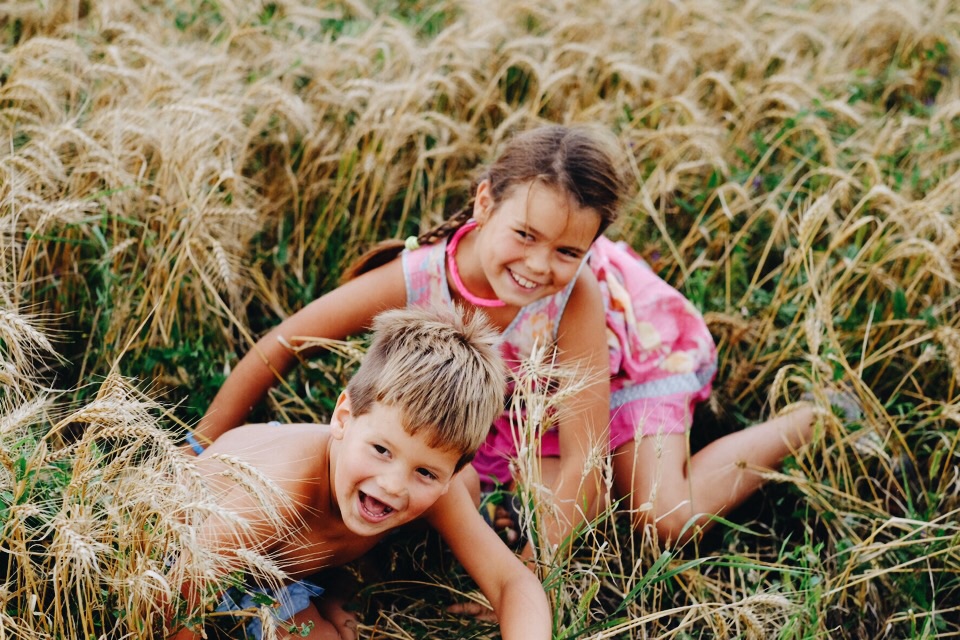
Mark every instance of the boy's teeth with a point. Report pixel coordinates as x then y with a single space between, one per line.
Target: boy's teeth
374 506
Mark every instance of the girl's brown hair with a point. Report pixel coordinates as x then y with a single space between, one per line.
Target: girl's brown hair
577 160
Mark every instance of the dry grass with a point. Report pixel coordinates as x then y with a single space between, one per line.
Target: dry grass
175 178
100 513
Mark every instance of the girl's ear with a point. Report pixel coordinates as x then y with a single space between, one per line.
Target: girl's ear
341 415
483 202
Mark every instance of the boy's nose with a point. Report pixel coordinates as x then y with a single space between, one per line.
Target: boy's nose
392 483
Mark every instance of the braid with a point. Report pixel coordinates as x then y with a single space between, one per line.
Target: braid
386 250
447 227
579 161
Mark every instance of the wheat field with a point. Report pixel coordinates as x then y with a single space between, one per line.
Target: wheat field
178 176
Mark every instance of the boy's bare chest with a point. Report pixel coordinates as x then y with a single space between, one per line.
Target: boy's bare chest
322 542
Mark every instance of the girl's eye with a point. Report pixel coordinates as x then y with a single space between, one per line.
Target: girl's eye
426 474
571 253
524 235
380 449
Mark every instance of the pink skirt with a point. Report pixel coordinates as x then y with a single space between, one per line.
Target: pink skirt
662 361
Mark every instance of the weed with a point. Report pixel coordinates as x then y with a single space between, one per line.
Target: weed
177 177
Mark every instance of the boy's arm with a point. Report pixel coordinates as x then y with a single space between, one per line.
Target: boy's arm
346 310
516 594
221 536
239 520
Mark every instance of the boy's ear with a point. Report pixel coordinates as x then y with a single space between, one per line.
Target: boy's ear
483 202
341 414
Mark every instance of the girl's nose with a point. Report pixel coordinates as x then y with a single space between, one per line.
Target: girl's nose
537 259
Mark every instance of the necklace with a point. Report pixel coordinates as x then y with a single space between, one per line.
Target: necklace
452 245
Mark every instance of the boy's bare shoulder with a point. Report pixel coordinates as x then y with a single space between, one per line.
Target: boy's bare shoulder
291 449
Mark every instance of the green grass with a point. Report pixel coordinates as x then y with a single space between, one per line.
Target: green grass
177 177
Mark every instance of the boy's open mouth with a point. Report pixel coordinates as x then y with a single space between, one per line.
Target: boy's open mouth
372 508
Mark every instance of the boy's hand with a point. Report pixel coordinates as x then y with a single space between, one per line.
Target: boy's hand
333 611
474 610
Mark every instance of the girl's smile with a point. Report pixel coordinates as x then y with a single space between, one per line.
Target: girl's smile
528 246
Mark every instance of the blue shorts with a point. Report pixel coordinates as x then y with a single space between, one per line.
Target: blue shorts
290 600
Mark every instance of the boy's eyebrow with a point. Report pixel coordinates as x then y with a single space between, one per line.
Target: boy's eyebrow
432 468
439 471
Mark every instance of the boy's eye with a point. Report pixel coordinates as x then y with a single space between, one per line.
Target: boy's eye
380 449
426 474
571 253
524 235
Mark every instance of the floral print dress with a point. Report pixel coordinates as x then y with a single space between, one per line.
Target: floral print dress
662 356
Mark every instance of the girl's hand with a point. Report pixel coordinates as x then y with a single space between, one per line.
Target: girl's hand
505 524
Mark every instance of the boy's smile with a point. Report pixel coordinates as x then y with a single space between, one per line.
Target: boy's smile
375 510
383 477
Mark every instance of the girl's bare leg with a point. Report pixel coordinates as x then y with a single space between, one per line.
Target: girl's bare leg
667 487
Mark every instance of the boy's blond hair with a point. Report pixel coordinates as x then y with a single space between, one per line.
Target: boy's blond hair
441 368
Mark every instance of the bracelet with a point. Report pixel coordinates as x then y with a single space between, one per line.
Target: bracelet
193 442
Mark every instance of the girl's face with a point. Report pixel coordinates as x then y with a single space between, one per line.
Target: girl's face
531 244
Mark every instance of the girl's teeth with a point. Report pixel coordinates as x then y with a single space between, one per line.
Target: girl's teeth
523 282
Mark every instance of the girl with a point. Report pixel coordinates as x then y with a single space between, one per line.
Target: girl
528 253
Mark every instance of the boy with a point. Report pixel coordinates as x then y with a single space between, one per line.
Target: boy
409 420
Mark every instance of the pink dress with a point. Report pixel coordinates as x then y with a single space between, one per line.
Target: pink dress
662 357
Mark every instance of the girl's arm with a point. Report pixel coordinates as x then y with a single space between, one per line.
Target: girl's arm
515 593
584 418
345 311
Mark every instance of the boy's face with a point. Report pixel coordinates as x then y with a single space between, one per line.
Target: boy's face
383 477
